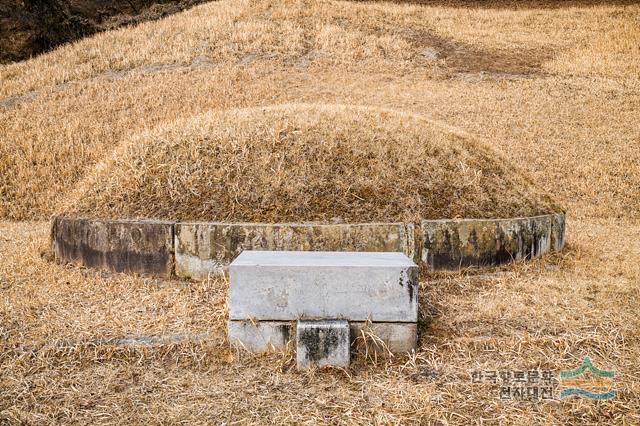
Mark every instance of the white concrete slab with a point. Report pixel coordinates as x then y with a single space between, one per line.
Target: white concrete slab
322 258
282 285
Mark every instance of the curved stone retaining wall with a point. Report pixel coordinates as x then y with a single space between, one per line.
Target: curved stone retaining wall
202 248
195 250
452 244
141 246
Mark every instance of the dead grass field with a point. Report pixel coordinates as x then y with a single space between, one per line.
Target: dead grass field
57 364
553 88
525 92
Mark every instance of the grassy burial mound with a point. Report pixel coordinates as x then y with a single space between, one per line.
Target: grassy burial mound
305 163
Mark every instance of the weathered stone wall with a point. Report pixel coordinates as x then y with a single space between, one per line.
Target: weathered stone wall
144 247
558 231
200 249
452 244
205 248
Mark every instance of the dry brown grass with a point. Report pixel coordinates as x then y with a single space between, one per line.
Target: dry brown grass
555 90
305 163
523 89
545 314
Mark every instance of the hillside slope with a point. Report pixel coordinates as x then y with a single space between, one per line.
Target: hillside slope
559 102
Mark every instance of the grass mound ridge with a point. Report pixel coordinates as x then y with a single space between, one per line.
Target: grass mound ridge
305 163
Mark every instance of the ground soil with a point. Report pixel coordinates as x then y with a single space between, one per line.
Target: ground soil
29 28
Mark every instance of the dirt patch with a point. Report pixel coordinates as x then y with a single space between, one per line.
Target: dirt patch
462 58
197 63
28 28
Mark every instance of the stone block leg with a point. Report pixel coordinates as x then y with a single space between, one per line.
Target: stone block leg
261 336
383 337
323 342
